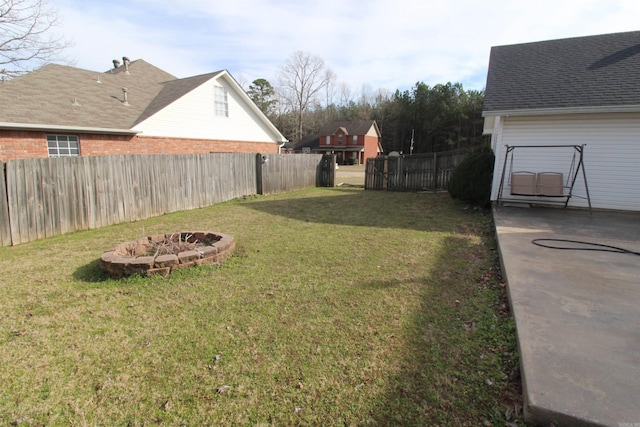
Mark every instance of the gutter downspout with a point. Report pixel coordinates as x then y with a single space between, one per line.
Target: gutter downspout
281 146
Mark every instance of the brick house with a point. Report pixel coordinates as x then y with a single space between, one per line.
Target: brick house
350 141
134 108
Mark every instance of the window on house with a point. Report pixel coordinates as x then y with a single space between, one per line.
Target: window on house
355 139
63 145
340 139
221 101
327 140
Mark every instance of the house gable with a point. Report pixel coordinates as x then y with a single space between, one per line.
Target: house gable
186 108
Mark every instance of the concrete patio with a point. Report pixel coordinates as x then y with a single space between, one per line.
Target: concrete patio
577 314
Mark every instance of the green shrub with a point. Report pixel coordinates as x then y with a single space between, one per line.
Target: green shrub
471 180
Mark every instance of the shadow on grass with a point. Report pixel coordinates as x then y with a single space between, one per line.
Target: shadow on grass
357 207
458 347
91 273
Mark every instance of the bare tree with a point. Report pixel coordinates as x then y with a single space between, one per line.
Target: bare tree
345 94
27 39
330 87
301 79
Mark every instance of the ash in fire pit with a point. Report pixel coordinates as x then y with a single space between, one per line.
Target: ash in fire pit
164 253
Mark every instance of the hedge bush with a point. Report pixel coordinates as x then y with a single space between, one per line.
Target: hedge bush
471 180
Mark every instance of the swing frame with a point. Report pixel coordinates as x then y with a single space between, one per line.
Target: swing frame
573 174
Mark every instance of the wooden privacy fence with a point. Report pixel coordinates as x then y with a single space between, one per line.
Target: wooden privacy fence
45 197
281 173
430 171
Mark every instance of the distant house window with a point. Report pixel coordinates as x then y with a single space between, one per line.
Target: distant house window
63 145
327 140
340 139
355 139
221 101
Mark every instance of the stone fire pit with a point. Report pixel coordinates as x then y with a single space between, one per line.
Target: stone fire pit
163 253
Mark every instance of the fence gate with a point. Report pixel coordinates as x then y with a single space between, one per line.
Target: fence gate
327 172
381 173
430 171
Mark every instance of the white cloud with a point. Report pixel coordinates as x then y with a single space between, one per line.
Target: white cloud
390 44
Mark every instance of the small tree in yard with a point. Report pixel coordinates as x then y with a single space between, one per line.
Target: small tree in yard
262 93
471 180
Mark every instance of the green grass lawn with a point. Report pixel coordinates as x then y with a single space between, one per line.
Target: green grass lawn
340 307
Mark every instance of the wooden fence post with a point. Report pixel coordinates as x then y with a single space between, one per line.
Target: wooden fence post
435 171
327 171
5 229
259 189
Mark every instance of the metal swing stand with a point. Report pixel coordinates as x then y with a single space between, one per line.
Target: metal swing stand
579 150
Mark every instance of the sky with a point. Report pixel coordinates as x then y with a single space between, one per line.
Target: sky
370 45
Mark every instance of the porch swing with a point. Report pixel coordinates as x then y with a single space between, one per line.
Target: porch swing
552 186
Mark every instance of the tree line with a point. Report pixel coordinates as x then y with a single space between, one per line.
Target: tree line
419 120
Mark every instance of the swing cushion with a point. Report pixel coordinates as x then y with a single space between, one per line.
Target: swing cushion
523 184
550 184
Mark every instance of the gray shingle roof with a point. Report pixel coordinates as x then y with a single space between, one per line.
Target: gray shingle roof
593 72
310 141
46 96
355 127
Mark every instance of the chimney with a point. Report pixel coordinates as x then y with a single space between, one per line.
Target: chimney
124 93
126 62
116 63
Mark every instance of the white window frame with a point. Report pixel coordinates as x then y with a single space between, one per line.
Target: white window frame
355 140
327 140
63 145
221 101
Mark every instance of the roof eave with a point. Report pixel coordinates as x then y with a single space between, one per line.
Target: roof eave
564 110
64 128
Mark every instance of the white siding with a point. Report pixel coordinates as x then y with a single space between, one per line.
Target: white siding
611 155
193 116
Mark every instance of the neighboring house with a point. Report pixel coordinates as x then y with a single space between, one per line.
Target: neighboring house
568 92
350 141
134 108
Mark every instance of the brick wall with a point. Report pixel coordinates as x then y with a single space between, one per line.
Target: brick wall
32 144
22 144
370 146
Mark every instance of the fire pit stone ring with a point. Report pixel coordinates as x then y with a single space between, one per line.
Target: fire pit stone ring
163 253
